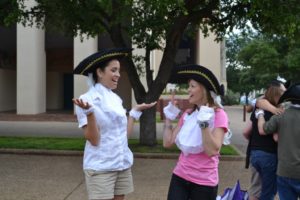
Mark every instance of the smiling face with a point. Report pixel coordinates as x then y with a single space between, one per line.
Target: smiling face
197 93
110 74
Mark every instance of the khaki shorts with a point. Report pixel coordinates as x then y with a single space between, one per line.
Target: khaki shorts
255 185
105 185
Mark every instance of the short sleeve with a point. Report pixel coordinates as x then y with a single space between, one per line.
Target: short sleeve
81 117
271 126
221 119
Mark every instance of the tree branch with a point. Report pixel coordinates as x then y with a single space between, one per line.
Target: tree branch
149 72
173 38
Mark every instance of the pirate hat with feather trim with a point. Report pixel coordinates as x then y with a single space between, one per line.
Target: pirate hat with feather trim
92 62
292 94
183 73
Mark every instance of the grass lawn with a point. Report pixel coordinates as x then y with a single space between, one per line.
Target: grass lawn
78 144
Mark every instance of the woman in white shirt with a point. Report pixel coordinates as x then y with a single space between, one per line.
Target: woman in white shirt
107 159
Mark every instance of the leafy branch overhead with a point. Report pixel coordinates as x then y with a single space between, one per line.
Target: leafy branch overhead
154 24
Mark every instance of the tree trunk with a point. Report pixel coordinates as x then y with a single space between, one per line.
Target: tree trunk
148 127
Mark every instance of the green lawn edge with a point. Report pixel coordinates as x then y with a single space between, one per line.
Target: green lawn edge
77 144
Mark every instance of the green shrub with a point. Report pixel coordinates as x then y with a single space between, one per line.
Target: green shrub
231 98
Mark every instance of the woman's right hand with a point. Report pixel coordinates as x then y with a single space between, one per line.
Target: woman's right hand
81 103
86 107
278 111
173 100
144 106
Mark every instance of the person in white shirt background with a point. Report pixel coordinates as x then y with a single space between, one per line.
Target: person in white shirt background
107 159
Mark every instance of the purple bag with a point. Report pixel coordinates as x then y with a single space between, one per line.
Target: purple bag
234 193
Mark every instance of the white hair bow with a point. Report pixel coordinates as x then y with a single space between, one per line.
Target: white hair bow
217 99
281 79
90 81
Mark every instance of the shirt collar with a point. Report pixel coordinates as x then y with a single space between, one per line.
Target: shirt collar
98 91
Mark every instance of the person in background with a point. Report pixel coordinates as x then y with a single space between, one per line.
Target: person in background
263 151
262 102
107 159
199 135
255 182
255 186
288 129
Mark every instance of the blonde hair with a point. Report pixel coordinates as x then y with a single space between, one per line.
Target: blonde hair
273 92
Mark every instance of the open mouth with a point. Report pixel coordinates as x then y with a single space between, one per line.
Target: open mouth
115 81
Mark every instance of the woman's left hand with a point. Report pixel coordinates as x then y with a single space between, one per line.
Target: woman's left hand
144 106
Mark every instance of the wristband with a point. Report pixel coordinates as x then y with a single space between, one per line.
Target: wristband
171 111
259 112
135 114
205 117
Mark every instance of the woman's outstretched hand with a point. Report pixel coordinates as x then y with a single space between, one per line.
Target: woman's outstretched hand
81 103
144 106
173 100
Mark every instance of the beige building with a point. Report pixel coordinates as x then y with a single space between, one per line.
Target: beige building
36 67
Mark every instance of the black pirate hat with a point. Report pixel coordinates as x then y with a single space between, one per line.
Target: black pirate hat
183 73
292 94
92 62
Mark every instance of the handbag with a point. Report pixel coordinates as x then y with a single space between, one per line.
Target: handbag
234 193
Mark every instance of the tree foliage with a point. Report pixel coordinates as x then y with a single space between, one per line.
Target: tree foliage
154 24
261 59
237 71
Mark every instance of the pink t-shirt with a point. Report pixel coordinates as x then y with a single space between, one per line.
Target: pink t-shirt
200 168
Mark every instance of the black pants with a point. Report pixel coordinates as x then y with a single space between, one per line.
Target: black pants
181 189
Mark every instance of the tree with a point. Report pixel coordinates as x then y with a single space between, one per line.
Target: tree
235 70
255 59
154 24
269 57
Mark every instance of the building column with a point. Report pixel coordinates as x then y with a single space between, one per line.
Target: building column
209 53
198 42
82 49
223 78
31 68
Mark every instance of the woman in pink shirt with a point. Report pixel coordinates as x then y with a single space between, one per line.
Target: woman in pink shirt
199 135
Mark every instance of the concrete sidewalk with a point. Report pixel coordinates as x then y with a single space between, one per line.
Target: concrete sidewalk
33 177
44 177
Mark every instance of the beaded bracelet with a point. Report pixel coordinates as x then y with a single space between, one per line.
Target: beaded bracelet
168 126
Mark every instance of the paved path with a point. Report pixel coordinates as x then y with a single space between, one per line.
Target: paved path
32 177
42 177
235 114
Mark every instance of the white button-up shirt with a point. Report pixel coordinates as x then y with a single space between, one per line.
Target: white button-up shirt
112 153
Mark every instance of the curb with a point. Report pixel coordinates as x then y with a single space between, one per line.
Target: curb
238 151
80 153
41 152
